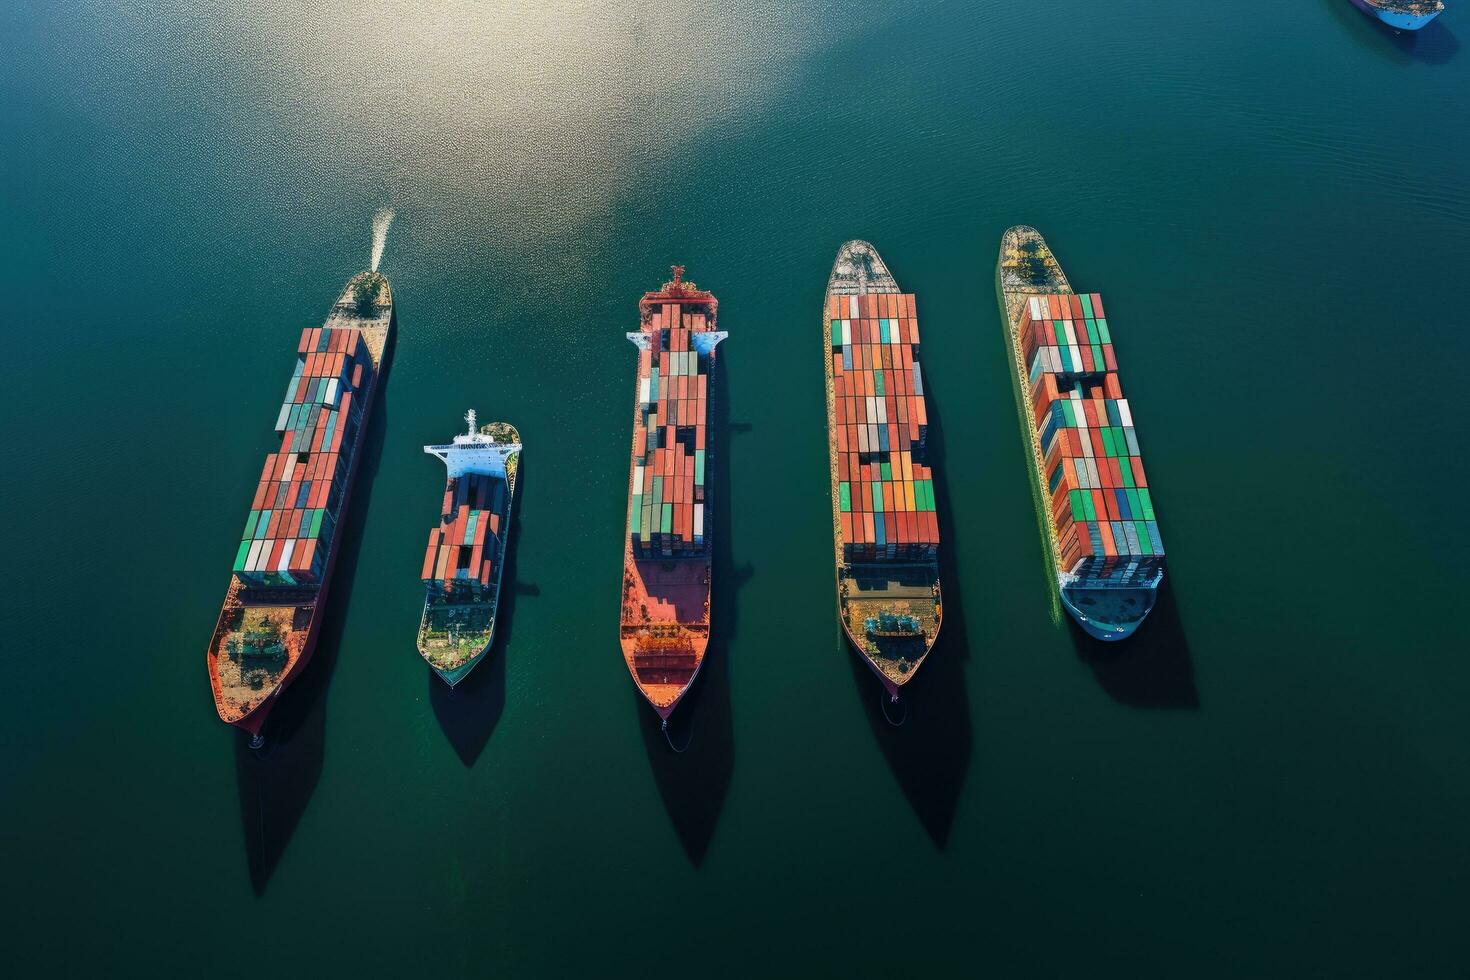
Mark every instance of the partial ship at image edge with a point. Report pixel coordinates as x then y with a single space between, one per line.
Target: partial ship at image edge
1403 15
885 523
464 562
664 624
273 610
1093 497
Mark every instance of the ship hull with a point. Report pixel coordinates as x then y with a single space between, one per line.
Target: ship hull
869 590
667 577
255 719
1398 20
1106 615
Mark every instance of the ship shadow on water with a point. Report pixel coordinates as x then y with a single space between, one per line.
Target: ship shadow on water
468 713
930 752
277 782
693 783
1433 44
1150 669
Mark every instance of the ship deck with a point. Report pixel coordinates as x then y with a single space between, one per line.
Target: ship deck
869 590
257 642
665 625
671 591
451 634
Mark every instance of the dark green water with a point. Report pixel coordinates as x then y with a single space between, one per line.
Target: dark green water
1270 779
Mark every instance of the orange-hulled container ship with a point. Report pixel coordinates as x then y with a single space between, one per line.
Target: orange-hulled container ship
272 614
884 522
666 550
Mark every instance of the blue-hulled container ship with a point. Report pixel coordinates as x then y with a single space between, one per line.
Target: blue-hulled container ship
1093 497
1401 15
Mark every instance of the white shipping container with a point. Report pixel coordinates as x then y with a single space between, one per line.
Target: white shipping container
254 555
262 557
286 553
1125 413
699 520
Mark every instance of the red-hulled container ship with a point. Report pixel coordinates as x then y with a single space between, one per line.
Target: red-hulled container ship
884 522
667 548
272 614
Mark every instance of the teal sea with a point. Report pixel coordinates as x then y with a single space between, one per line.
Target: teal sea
1272 778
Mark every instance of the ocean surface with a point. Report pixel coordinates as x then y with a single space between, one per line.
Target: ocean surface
1272 778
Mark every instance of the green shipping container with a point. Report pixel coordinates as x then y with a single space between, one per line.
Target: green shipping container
1146 504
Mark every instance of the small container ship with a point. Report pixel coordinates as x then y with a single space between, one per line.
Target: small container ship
1401 15
272 614
1093 496
667 548
465 557
884 523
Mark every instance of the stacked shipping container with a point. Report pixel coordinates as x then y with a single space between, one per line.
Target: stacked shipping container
288 535
1107 533
463 550
666 514
885 490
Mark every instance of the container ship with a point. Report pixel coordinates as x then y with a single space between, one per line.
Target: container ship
667 547
884 524
1402 15
1093 496
465 557
272 614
